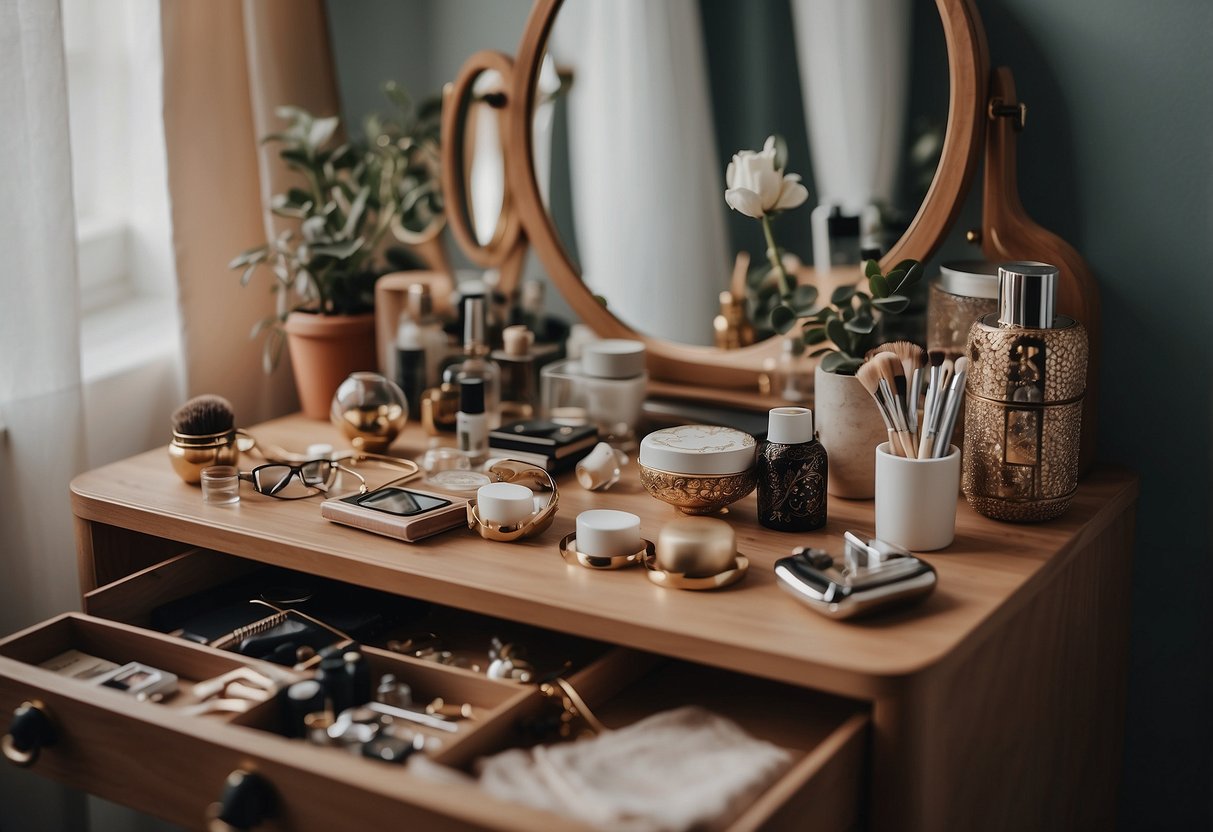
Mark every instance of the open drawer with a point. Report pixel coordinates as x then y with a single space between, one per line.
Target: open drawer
158 759
826 736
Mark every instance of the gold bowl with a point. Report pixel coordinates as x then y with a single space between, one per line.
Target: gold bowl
697 493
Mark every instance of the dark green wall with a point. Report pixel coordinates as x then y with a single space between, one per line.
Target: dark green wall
1118 159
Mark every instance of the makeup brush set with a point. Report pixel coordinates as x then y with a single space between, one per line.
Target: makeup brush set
894 375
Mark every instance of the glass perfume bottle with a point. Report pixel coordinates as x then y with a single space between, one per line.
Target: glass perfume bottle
1023 401
517 365
476 363
433 339
410 363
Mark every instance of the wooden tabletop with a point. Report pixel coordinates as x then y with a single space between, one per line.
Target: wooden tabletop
989 571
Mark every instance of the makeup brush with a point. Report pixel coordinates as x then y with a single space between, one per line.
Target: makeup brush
869 377
951 409
913 360
935 359
894 377
203 416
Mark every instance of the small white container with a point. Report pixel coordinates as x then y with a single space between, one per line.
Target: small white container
916 499
505 503
607 533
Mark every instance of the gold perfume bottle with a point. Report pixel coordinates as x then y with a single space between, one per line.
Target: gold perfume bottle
1023 401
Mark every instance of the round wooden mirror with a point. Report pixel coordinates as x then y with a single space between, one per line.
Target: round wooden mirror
475 147
967 70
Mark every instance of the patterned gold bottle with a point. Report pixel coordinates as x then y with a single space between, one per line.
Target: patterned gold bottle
1023 401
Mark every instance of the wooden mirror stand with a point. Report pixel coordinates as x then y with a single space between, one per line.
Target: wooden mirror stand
984 114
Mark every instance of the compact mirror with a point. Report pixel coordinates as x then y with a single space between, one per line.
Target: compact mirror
633 227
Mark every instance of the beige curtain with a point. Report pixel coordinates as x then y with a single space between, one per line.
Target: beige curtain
227 66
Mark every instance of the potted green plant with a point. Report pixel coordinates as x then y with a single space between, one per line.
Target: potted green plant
350 197
841 334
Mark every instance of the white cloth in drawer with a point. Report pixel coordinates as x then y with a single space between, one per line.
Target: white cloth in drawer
681 769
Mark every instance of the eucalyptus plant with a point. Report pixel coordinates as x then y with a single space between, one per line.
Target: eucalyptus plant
351 196
847 326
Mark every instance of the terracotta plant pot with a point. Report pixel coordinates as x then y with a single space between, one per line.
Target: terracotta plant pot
325 349
850 428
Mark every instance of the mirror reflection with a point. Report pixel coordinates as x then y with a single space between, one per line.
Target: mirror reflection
484 157
654 100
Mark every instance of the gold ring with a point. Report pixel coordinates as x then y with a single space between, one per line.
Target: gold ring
568 551
675 580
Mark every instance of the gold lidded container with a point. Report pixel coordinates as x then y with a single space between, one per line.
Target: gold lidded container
1023 401
964 292
189 455
698 469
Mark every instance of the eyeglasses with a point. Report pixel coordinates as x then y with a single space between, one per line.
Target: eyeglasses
317 476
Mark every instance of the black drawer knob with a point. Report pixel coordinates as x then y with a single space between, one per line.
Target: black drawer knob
29 732
247 800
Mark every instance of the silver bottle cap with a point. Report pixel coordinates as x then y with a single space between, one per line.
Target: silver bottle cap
420 302
1027 293
473 321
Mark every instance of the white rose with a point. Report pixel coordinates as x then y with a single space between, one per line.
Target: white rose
757 188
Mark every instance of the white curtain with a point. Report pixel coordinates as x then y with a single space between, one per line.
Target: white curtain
647 180
40 392
853 57
42 446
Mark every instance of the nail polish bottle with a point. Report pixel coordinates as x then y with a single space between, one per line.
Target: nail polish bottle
791 473
476 363
471 423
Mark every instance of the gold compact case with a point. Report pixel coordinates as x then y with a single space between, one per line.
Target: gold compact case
696 553
698 469
483 520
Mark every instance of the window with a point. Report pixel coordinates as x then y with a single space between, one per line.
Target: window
125 263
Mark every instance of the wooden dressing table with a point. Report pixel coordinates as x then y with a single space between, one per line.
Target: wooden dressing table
997 703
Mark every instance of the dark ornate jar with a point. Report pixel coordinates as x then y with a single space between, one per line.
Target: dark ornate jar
1023 401
791 473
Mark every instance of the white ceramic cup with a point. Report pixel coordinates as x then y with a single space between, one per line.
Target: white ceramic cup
916 499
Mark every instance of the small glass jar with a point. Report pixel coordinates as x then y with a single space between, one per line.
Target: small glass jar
220 485
963 292
606 388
